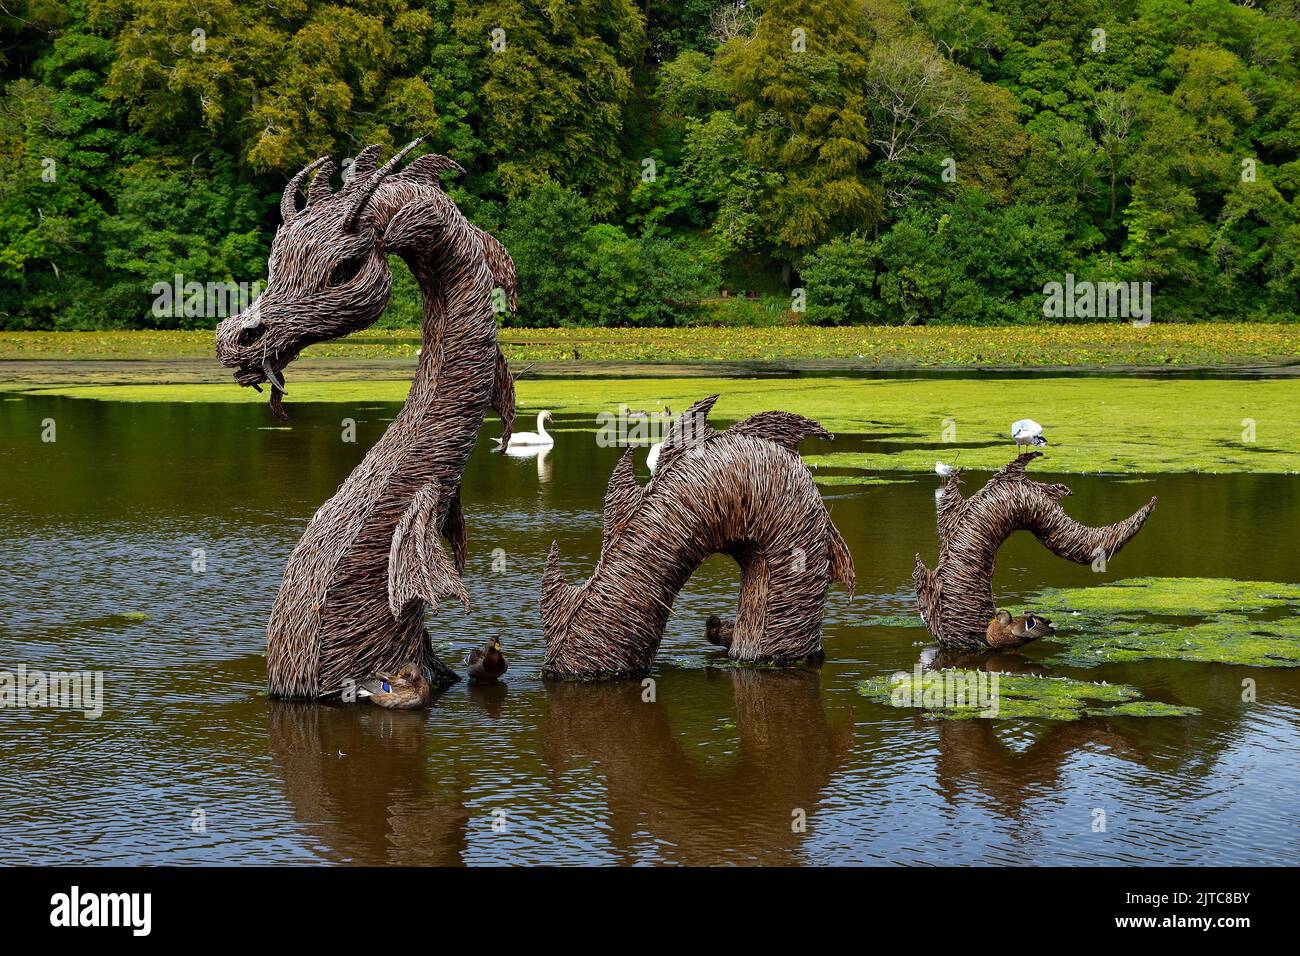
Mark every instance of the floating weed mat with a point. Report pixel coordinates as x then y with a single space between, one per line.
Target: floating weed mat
959 694
893 620
837 480
1209 620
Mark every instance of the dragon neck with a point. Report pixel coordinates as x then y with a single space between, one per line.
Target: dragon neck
452 385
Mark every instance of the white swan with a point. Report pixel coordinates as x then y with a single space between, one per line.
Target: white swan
537 439
652 459
1027 432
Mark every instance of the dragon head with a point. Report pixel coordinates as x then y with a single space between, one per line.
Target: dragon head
327 273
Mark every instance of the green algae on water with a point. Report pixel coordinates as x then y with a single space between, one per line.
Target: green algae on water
961 694
850 480
893 620
1208 620
1149 595
1143 708
1102 424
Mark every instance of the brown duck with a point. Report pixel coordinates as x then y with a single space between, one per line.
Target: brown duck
1005 632
405 690
486 663
718 632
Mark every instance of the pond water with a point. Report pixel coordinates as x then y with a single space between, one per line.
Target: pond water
101 526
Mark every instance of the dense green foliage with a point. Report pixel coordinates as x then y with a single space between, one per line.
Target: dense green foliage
650 163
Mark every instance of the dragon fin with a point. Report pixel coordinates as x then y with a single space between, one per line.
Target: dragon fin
429 168
502 268
418 568
559 599
782 428
503 397
841 559
928 595
689 429
453 529
621 498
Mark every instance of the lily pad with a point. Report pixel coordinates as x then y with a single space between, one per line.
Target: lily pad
1210 620
960 694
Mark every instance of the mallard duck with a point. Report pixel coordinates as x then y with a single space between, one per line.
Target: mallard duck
486 663
405 690
1005 632
718 631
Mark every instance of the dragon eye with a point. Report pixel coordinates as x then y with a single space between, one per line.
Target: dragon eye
346 271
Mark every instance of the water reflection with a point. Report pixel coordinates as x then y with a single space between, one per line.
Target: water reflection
539 452
733 795
359 780
1007 662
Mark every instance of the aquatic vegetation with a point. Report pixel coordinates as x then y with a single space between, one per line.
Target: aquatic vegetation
1214 620
958 694
1079 345
1143 708
835 481
893 620
1112 425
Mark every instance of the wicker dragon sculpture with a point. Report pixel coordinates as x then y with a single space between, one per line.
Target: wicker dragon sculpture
956 598
744 492
355 588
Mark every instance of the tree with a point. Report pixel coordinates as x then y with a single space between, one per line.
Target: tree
839 279
279 84
799 88
553 84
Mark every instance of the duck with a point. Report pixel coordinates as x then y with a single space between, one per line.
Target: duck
405 690
538 438
1026 431
718 632
486 663
1005 632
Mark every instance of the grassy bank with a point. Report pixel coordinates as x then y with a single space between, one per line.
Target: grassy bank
1198 344
1096 424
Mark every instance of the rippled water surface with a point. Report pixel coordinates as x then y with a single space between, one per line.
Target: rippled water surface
101 526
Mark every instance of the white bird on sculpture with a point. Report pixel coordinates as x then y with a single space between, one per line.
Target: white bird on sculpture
537 439
652 459
1027 432
943 470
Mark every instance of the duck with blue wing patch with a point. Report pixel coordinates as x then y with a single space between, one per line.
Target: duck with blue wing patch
405 690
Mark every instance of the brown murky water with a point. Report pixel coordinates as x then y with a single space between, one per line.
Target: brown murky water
102 525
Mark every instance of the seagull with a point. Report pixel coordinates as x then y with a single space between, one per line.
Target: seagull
1027 432
652 459
944 471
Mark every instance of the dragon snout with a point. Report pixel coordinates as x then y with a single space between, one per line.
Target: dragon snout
237 336
244 344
